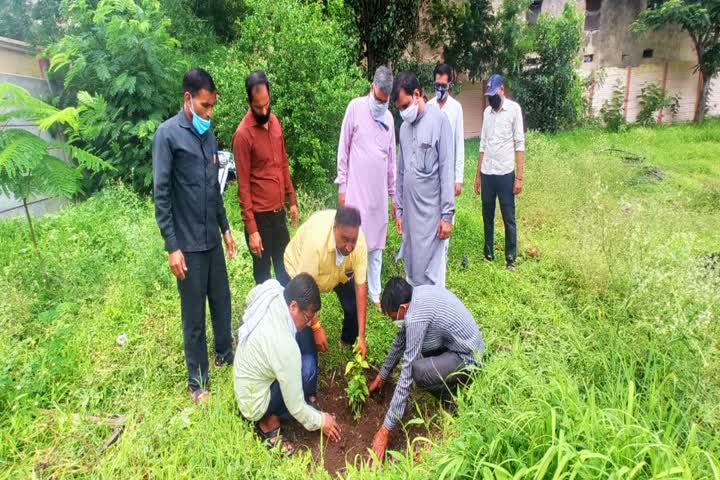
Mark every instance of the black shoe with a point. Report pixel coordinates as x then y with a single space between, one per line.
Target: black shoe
511 267
221 362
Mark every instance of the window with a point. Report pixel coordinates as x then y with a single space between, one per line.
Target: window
534 12
648 53
592 15
588 58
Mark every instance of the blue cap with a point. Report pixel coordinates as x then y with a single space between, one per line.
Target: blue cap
494 84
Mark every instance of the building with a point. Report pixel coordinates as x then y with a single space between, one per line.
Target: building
20 66
612 51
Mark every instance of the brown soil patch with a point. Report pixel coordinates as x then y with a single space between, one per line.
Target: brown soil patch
357 436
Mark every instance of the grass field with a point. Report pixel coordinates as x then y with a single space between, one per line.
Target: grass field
603 347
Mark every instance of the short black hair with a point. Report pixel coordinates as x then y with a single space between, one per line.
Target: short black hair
406 81
303 290
197 79
254 80
348 216
443 69
397 292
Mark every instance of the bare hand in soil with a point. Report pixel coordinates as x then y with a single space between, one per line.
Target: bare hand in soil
320 338
380 442
330 428
376 384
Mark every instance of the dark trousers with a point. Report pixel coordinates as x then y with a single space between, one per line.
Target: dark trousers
438 371
346 295
206 278
499 187
309 363
275 238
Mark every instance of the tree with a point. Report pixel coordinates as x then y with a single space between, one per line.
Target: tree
27 167
701 20
464 30
15 20
386 28
121 50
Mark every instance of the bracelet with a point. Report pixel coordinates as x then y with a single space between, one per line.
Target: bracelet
315 327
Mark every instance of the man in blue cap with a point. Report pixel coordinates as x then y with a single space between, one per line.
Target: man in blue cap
500 170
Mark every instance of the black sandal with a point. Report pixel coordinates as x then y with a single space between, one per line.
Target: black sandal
273 438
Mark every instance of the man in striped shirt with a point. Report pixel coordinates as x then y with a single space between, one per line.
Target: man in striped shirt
438 339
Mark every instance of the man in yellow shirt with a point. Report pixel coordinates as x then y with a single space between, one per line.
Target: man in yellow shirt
331 247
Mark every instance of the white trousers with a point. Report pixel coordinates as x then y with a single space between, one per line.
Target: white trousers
374 274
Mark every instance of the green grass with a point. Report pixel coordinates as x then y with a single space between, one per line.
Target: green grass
603 356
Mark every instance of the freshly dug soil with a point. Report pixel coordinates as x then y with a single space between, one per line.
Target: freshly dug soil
356 436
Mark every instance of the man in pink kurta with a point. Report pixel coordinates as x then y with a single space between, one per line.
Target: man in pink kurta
366 168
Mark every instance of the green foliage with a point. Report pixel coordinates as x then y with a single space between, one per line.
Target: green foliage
386 29
466 32
27 165
602 355
512 40
312 76
550 90
701 20
121 50
611 111
199 26
36 22
654 99
357 388
15 21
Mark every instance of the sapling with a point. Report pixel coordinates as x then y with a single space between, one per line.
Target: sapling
357 387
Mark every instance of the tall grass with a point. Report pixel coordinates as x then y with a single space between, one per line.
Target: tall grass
603 357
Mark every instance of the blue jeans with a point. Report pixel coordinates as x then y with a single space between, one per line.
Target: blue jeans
309 363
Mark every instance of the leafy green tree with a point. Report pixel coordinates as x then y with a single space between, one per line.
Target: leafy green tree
386 28
27 165
308 59
465 32
122 51
550 88
15 21
701 20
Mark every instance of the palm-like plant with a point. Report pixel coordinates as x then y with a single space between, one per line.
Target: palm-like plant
27 166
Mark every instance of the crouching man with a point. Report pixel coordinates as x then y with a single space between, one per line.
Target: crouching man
438 340
275 367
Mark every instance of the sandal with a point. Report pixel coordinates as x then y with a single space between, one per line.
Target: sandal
200 395
273 439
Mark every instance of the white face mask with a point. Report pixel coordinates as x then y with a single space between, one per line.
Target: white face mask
377 109
410 113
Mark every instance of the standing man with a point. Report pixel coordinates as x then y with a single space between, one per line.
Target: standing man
331 247
425 197
502 150
190 213
366 148
444 80
264 183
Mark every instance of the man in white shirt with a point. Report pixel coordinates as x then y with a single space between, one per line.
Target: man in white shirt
501 166
443 75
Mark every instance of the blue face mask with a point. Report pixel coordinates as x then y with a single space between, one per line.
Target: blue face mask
199 124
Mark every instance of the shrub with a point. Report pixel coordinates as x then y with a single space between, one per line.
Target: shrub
653 98
121 50
357 389
308 60
611 111
550 91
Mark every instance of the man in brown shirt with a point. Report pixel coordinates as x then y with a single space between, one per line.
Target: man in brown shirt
264 182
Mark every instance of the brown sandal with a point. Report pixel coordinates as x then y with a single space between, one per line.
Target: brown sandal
274 439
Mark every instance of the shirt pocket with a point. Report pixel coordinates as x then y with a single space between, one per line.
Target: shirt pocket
427 159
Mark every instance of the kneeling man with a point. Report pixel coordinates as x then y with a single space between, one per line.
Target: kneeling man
275 365
438 339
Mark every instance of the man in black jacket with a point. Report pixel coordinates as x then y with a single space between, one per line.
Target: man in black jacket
190 213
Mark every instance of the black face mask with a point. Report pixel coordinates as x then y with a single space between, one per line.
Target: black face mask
261 119
495 101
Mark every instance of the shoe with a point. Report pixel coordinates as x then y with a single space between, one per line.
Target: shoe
488 259
511 267
221 362
200 396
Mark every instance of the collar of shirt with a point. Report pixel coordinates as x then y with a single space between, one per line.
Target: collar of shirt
339 258
502 107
